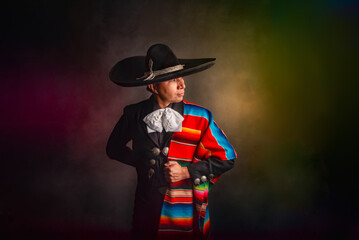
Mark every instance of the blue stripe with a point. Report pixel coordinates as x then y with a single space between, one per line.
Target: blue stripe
177 210
222 141
197 111
207 214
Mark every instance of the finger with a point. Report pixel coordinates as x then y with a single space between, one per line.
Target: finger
174 179
171 163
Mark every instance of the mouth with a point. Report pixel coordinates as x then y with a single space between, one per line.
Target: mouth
181 94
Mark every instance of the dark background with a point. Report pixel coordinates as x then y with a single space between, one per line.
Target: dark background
284 90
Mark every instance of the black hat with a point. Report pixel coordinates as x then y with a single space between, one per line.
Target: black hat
160 64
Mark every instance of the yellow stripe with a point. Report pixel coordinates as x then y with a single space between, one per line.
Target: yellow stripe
175 193
190 130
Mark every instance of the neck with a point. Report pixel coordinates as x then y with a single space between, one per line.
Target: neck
161 102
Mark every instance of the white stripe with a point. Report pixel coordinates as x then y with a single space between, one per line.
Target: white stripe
188 144
182 159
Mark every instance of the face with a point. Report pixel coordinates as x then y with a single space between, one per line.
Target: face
171 91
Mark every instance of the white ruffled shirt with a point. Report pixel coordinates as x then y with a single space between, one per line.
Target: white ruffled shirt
164 119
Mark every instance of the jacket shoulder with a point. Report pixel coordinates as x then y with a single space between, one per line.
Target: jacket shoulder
196 110
135 107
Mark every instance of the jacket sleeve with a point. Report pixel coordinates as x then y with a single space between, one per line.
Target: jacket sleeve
214 154
211 167
120 136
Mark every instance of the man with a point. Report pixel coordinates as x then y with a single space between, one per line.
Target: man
177 149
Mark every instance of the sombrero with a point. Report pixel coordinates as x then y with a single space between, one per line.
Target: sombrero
160 64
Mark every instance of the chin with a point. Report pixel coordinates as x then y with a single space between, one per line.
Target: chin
177 100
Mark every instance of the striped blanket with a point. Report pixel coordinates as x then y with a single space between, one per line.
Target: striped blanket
185 208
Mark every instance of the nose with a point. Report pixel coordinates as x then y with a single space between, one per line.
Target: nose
180 83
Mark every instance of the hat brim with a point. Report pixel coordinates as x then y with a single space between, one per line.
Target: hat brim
128 72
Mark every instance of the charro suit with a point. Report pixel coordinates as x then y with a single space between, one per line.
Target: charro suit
201 146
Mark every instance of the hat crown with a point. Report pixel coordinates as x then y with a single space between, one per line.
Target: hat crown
162 57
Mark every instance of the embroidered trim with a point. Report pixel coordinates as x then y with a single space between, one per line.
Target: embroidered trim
152 74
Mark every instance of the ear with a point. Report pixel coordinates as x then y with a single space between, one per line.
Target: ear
153 88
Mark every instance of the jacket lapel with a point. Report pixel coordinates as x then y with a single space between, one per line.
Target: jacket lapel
147 109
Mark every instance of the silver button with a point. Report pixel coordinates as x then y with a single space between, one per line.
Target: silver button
211 176
152 162
204 179
196 181
156 151
165 151
151 172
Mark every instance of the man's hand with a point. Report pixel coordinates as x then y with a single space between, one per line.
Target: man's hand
174 172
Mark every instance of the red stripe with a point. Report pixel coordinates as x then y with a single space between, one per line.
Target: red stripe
176 221
179 199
